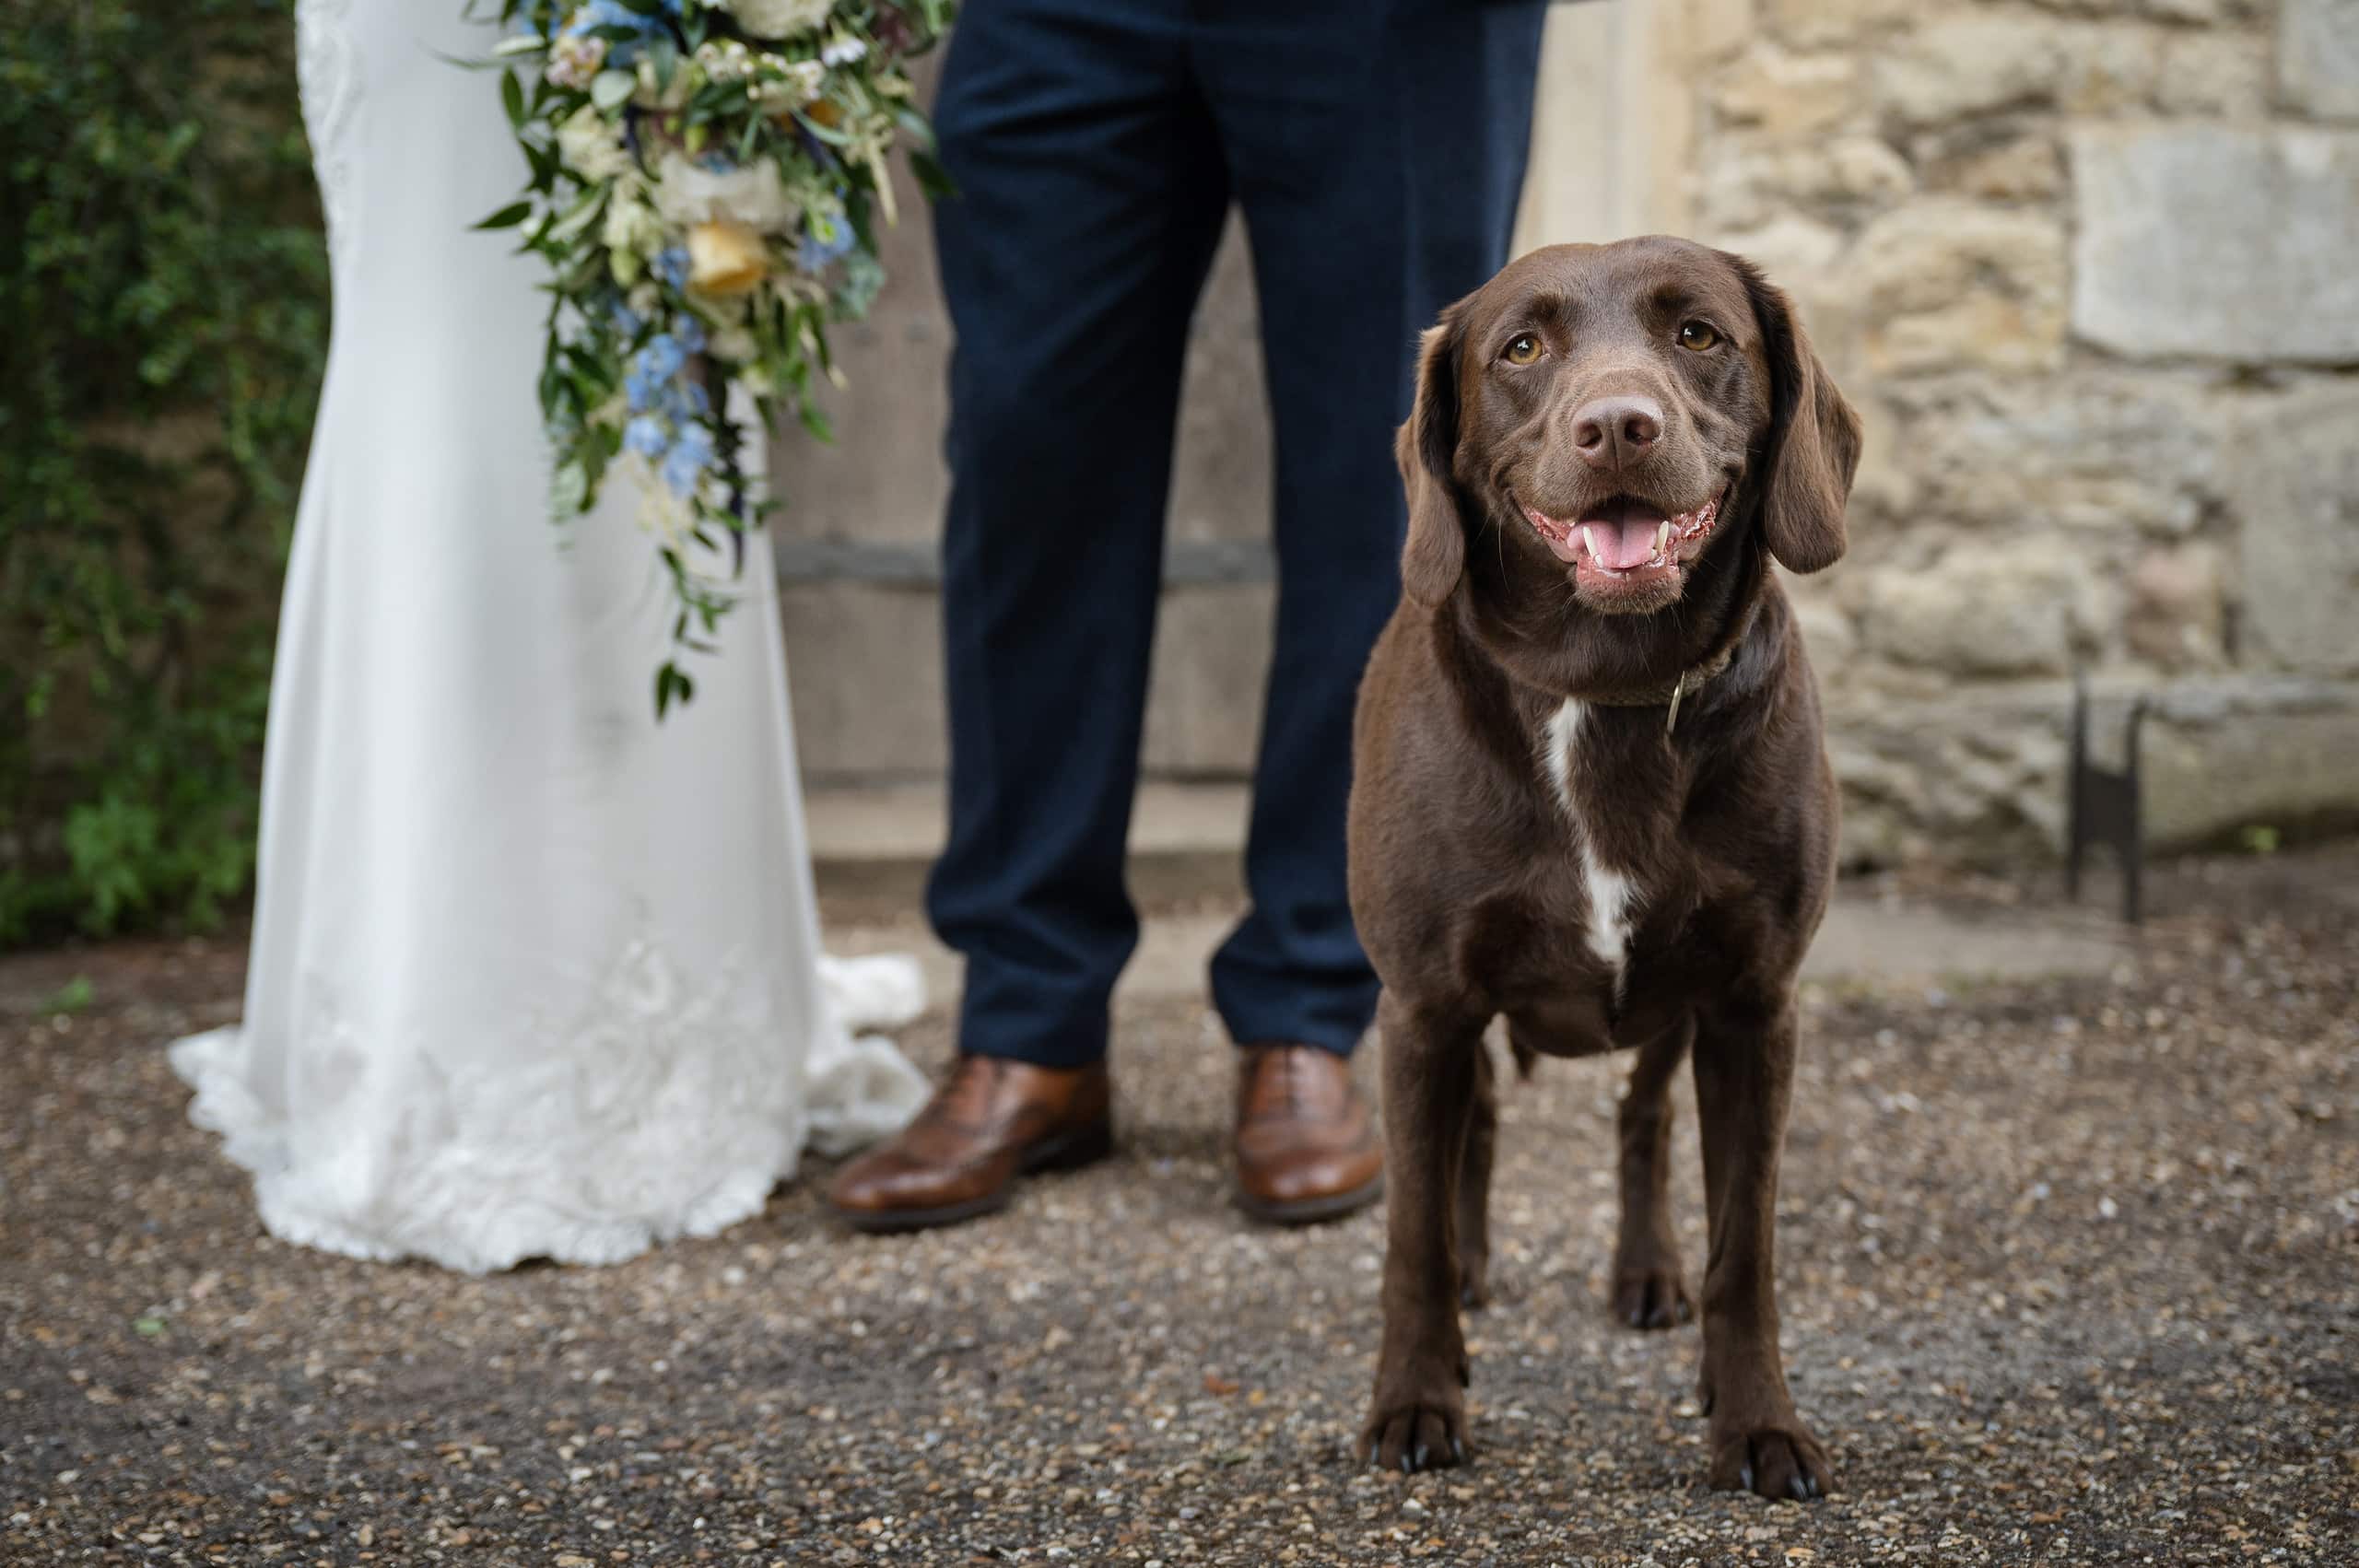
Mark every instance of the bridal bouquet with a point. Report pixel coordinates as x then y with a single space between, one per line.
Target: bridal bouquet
705 176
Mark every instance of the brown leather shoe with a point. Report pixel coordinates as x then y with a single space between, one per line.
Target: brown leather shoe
991 1121
1306 1147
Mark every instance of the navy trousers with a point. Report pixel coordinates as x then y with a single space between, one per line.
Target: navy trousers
1376 149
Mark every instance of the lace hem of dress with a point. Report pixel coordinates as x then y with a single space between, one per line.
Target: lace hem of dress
661 1115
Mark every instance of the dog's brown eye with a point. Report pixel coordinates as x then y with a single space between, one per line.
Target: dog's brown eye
1523 350
1697 336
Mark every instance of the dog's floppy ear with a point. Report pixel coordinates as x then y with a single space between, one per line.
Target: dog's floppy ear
1426 448
1814 445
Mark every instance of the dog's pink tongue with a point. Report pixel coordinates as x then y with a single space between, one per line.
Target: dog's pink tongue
1624 544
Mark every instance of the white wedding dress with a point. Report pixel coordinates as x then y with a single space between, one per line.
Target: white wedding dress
533 975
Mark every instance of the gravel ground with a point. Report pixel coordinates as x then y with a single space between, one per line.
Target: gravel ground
2068 1266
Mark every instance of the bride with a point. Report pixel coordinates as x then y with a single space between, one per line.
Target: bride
533 975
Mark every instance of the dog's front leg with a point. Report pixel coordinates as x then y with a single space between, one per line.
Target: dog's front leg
1745 1068
1418 1418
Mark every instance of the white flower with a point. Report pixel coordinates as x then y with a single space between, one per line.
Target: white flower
797 83
573 60
632 227
590 146
781 19
651 92
663 514
732 345
724 60
842 50
755 195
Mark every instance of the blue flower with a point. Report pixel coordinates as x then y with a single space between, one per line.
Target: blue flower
647 436
690 456
684 399
826 239
663 358
689 332
672 267
627 320
644 389
615 14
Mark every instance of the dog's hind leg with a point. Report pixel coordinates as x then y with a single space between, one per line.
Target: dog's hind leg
1649 1292
1474 1185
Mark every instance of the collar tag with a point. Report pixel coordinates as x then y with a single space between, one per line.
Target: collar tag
1678 690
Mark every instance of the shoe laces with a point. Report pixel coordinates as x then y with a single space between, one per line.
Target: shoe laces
1288 1063
965 1098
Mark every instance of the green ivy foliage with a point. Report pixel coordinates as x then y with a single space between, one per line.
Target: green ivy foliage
164 286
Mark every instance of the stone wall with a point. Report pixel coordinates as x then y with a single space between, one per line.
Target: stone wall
2089 267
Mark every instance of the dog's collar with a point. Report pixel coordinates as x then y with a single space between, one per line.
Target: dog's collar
1668 692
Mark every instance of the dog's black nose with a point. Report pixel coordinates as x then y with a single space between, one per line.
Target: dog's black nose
1610 433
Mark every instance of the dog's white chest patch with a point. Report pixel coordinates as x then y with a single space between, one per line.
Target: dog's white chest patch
1611 893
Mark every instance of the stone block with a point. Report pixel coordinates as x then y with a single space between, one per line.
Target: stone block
1220 479
1748 186
2218 243
1950 284
1708 29
2295 484
1962 780
2232 758
883 480
1988 609
864 665
2107 68
2177 607
864 662
1212 665
2028 168
2224 75
1970 63
1811 23
2318 56
1789 95
1827 632
1982 780
2090 451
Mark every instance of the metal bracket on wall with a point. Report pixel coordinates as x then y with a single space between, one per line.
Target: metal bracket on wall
2103 803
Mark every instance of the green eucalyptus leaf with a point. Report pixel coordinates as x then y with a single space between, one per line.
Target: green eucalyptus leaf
611 89
508 217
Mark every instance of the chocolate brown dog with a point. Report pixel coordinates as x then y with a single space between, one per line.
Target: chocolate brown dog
1592 792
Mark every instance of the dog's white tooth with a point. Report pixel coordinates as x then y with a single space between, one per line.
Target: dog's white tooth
1590 540
1662 537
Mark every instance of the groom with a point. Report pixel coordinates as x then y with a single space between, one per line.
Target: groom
1375 148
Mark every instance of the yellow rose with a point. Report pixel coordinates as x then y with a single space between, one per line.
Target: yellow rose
726 258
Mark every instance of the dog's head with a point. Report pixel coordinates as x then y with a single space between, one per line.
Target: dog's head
1619 414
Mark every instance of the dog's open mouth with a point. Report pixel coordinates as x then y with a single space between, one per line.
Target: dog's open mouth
1626 543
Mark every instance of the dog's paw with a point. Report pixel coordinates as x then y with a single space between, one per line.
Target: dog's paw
1427 1434
1651 1296
1779 1460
